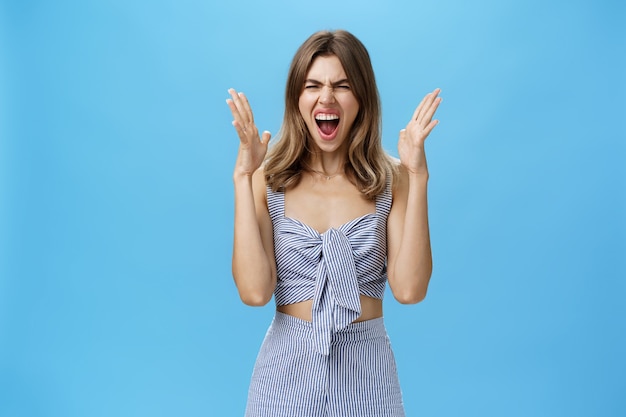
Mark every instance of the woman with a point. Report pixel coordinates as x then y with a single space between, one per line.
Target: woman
322 221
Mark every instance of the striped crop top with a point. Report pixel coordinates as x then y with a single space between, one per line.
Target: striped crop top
331 268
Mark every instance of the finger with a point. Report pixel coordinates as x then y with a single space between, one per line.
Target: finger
241 101
426 105
242 113
241 131
232 104
233 109
430 127
402 134
239 105
239 126
265 138
430 111
246 107
419 108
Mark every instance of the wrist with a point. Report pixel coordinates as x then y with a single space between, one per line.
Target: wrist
240 177
418 176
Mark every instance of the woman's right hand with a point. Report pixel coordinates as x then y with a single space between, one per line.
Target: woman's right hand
252 148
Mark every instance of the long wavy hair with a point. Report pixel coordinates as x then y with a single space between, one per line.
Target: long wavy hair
368 165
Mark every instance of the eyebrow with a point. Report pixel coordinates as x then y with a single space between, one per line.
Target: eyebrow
342 81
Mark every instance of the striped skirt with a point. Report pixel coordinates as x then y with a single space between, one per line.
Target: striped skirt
357 379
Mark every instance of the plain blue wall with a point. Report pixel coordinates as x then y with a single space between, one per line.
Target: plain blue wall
116 206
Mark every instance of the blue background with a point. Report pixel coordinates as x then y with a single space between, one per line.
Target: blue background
116 201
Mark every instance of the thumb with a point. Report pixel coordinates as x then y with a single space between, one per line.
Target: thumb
265 138
402 134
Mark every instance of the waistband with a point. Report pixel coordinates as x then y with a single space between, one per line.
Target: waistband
361 330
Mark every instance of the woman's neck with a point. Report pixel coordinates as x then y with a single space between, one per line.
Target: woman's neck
325 166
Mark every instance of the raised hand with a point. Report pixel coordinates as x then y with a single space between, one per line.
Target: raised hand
252 148
411 142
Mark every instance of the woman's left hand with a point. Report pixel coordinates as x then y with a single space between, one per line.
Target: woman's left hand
411 142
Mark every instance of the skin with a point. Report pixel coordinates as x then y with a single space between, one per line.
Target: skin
327 90
328 203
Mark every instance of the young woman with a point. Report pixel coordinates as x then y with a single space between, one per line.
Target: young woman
322 221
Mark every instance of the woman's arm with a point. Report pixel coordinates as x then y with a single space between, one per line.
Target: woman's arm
254 267
253 264
408 238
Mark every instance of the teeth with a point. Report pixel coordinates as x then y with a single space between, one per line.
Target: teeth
323 116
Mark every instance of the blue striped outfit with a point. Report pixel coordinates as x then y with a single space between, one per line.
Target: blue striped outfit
331 366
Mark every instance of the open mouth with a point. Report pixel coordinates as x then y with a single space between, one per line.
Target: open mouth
327 124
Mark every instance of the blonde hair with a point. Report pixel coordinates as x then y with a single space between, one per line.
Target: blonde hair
367 165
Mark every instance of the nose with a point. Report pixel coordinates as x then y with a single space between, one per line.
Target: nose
327 95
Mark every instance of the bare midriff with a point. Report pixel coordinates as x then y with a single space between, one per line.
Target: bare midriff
371 308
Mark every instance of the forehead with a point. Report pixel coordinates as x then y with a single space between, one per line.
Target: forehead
326 68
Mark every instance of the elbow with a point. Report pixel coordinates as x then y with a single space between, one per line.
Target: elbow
255 290
410 288
255 298
410 297
411 292
255 301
